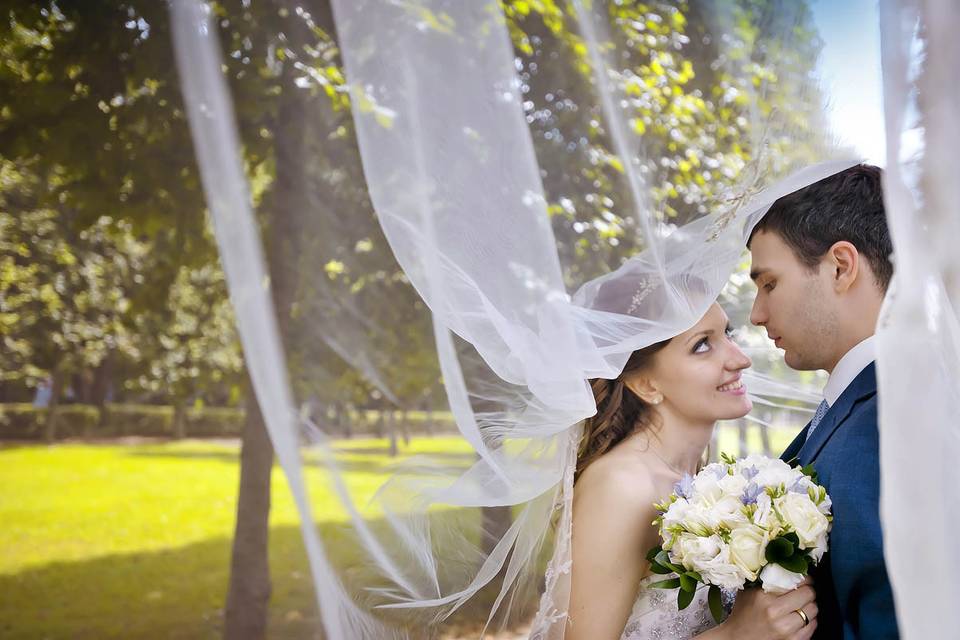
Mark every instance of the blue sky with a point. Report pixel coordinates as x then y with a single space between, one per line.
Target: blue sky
850 72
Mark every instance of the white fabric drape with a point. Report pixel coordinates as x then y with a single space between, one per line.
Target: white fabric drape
918 360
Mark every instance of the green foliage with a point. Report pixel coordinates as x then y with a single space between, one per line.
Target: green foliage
65 287
785 550
191 347
703 126
22 421
93 128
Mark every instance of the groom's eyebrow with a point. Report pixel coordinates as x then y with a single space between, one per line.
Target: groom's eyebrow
756 273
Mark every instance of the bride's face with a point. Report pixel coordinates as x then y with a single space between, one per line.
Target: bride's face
698 373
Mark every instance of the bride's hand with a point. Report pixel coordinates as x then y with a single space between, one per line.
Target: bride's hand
763 616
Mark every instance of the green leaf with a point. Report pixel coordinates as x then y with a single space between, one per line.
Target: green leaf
796 563
779 549
684 598
672 583
716 603
664 559
659 569
687 583
810 472
653 553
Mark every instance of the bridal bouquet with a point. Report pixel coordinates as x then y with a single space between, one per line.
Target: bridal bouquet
752 522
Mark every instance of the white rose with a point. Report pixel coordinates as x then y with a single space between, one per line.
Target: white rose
676 512
775 473
700 519
706 487
804 517
754 461
728 511
733 485
748 546
693 551
722 571
778 580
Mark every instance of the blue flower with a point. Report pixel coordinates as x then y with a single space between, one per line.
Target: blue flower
750 472
750 493
798 486
684 488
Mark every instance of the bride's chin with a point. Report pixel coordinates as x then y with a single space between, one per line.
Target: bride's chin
746 406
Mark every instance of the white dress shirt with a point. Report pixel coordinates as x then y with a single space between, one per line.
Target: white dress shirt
849 367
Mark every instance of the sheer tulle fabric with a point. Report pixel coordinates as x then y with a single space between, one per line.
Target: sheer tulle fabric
918 329
456 183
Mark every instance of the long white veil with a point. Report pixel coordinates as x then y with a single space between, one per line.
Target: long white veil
688 121
918 363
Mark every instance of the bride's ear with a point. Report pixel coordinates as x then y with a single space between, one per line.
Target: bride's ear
644 387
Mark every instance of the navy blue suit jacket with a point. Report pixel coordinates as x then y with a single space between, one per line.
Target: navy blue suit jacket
854 597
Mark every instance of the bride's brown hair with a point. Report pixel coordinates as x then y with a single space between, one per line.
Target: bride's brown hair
620 412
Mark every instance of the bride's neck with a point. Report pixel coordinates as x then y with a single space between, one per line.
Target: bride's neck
678 443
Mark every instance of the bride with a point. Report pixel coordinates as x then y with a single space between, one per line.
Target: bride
653 424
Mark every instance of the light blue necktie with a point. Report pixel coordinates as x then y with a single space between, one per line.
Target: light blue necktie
817 417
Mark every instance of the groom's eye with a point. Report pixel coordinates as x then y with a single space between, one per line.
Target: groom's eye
768 287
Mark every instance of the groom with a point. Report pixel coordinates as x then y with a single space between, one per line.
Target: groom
821 263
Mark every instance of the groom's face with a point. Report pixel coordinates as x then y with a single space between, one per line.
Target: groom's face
793 303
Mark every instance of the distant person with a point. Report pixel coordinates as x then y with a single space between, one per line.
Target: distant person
43 394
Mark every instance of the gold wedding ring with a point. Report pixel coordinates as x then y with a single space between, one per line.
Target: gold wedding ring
800 612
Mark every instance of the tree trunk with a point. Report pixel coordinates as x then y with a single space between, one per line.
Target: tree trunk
428 419
249 593
180 420
496 521
405 427
53 414
765 434
378 427
342 416
392 429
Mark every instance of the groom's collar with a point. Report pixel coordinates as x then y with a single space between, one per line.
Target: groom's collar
848 368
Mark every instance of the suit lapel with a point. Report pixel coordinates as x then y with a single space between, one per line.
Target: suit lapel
864 385
791 451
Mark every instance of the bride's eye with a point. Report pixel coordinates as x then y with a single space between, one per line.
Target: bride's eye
702 346
731 333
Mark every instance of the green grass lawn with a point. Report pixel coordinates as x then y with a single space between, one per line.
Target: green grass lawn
133 540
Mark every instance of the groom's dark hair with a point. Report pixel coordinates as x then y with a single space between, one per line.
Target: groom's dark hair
845 206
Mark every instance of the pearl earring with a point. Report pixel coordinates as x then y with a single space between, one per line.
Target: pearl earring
657 399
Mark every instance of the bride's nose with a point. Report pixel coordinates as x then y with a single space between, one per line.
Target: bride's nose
737 360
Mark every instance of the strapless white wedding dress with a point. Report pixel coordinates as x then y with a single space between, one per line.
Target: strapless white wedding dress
655 615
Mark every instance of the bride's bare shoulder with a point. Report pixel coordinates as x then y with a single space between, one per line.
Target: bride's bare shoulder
622 481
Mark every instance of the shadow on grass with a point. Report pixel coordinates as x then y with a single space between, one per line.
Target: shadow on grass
178 593
378 462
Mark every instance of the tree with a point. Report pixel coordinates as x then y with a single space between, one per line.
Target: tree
193 348
65 288
90 100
